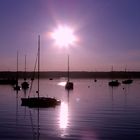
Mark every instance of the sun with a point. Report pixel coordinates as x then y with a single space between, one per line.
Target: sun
63 36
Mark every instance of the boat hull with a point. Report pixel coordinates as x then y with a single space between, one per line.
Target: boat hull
17 87
69 86
36 102
129 81
25 85
114 83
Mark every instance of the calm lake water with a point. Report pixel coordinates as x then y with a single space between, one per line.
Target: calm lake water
92 111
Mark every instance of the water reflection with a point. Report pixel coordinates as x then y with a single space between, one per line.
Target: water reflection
98 112
63 120
25 92
62 84
17 104
64 115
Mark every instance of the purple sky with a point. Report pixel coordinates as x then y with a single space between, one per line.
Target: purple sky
108 32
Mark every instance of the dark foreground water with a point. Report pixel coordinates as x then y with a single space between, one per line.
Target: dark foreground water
92 111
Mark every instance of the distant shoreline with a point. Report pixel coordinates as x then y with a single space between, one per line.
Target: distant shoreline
73 74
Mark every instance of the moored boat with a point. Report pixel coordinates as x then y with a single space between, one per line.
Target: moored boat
128 81
25 84
69 85
114 83
40 102
16 86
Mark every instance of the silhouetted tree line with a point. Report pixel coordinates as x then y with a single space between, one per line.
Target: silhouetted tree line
73 74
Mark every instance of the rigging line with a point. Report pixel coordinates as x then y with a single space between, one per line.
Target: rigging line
33 75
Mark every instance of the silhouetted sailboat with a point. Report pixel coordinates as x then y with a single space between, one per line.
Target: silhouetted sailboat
17 87
69 85
113 82
127 81
25 84
38 102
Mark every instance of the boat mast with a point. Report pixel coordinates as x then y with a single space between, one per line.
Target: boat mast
25 69
17 70
68 69
38 63
38 83
112 72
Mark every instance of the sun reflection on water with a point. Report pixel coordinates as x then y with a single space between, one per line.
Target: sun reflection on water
62 84
64 115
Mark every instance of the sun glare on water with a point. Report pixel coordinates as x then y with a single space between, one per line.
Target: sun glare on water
63 36
64 115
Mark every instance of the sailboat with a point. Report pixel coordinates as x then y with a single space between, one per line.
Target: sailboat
69 85
40 102
25 84
127 81
113 82
17 87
